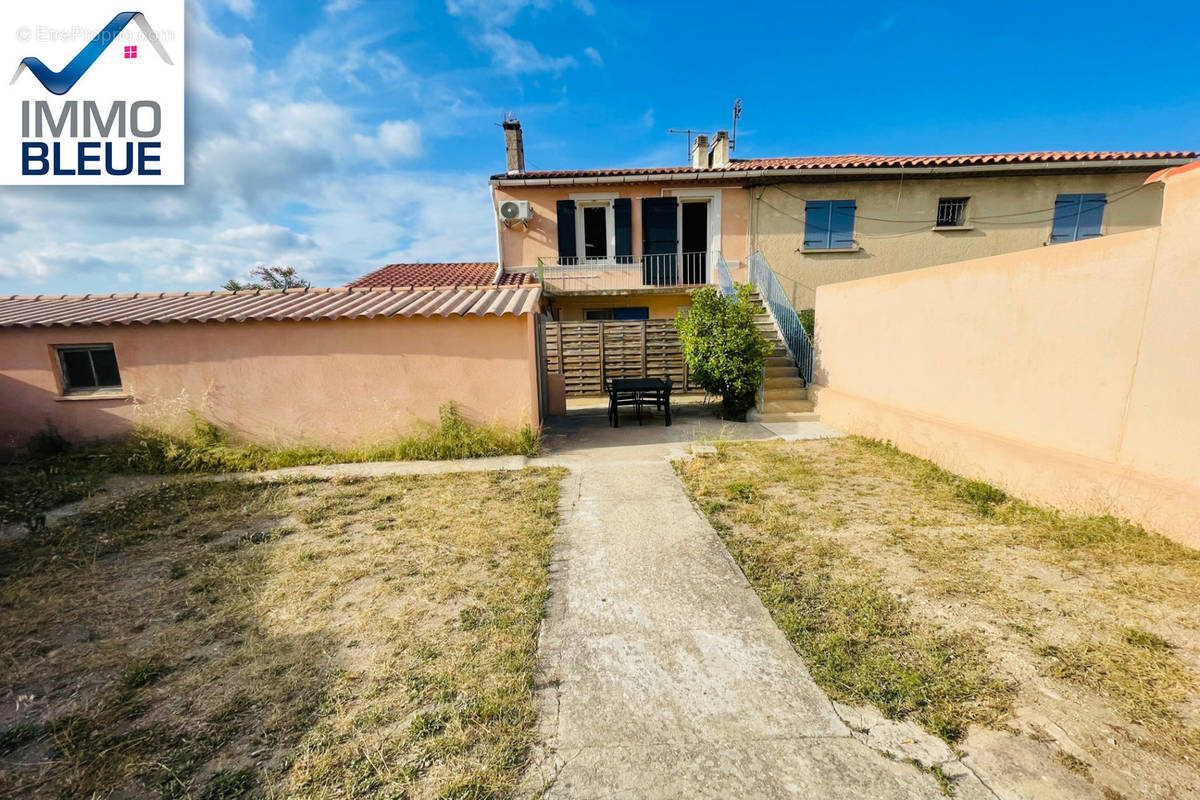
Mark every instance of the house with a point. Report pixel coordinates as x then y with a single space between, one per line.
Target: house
327 367
630 243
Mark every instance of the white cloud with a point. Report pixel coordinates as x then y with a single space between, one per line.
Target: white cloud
494 12
341 6
243 8
586 7
594 56
516 56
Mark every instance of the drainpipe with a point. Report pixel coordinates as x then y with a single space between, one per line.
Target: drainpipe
499 250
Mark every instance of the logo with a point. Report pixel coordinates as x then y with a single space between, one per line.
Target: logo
61 82
105 117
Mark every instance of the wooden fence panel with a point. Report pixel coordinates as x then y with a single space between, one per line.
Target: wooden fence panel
587 354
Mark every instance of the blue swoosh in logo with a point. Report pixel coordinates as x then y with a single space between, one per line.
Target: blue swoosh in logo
61 82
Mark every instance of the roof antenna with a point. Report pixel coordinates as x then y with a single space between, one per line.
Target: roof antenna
737 114
690 132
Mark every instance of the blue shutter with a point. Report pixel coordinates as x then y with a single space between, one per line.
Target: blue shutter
623 221
1091 215
565 211
841 224
632 312
1066 218
816 224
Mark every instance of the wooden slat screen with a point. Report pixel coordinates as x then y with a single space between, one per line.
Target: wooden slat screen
588 353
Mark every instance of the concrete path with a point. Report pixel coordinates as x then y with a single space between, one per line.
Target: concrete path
661 673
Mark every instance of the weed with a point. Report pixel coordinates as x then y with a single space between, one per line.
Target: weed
144 672
229 785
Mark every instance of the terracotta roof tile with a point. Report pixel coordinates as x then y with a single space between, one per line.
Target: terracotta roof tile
289 304
469 273
813 163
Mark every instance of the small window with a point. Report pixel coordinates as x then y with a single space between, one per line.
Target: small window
88 369
623 313
829 224
1077 217
952 212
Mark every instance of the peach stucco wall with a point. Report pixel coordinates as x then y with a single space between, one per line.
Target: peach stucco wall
1065 374
331 382
522 245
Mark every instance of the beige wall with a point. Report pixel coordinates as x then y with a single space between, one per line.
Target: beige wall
777 223
661 306
1066 374
522 245
332 382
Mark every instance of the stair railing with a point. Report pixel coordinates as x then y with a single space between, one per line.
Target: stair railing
724 277
779 306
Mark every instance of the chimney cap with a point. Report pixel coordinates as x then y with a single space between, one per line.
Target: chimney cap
511 123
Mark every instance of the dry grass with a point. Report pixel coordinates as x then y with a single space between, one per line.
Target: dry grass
944 600
358 638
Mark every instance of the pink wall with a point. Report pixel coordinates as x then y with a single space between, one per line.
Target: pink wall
330 382
1066 374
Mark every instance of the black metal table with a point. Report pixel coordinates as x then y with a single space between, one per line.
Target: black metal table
636 392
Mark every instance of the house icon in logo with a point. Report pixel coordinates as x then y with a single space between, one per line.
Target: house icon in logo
62 81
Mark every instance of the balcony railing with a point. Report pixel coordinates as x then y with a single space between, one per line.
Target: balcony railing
624 272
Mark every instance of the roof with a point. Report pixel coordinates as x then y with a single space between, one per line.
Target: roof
740 166
280 305
467 273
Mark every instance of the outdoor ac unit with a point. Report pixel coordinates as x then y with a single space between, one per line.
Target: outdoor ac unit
515 211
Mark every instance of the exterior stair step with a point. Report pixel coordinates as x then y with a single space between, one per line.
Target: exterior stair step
776 384
787 406
785 416
784 371
780 361
794 392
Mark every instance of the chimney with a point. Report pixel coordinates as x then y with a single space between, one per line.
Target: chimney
700 152
720 150
514 146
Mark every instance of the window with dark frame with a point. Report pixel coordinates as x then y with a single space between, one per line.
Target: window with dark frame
952 212
88 369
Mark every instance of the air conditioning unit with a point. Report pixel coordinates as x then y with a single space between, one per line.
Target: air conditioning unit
515 211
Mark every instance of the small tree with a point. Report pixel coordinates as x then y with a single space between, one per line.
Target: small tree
724 351
264 277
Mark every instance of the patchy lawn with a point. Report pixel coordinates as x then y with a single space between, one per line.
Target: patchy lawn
215 640
944 601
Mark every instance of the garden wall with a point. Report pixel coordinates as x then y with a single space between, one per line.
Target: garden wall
1068 374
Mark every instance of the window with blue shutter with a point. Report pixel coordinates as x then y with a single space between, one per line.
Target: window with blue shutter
829 224
1077 217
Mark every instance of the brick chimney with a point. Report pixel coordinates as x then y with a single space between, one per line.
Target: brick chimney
720 150
700 152
514 146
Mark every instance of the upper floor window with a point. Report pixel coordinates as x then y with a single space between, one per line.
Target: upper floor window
1076 217
952 212
829 224
87 369
593 230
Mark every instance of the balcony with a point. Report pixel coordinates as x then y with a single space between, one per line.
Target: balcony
624 273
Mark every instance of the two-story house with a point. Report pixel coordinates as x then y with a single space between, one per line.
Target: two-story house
632 243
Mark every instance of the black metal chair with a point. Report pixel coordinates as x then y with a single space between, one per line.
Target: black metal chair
615 402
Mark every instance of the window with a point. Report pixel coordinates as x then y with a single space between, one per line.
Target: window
88 369
625 313
829 224
952 212
595 232
1076 217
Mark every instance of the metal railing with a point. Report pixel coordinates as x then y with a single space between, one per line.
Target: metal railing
779 306
724 277
581 274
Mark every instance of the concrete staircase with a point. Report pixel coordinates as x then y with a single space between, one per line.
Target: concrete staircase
785 396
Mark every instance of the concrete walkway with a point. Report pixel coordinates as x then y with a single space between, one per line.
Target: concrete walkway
661 673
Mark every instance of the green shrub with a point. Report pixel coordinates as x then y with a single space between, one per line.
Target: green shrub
724 351
808 321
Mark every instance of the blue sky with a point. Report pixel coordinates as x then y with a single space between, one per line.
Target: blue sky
341 135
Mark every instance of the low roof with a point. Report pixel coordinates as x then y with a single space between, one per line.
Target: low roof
740 166
464 273
260 304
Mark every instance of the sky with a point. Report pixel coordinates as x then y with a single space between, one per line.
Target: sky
337 136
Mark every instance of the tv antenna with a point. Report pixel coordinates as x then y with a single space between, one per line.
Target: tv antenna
690 133
737 114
